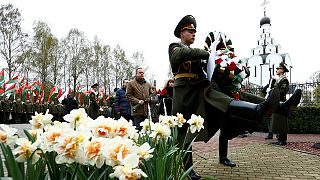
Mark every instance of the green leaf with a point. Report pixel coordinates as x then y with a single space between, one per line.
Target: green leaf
1 167
12 166
30 137
78 172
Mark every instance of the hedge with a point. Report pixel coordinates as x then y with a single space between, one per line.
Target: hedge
305 120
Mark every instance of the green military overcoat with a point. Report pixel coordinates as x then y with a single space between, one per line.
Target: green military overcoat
279 123
193 94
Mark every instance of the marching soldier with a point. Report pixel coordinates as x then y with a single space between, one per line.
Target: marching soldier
191 84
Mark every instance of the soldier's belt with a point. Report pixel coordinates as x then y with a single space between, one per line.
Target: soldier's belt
186 75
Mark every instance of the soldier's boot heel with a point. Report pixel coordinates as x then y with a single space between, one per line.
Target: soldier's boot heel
255 112
288 106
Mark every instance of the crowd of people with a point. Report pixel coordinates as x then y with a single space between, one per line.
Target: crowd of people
13 110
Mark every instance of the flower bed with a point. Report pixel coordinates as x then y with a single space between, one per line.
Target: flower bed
82 148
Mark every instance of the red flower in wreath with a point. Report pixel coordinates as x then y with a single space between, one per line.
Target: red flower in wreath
232 66
232 55
218 61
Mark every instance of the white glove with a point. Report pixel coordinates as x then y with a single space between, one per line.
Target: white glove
141 101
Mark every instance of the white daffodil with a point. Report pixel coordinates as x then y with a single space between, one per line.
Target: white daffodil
160 131
70 148
146 126
116 149
103 127
170 121
144 151
48 139
180 120
123 128
127 171
196 123
93 153
77 117
25 150
8 135
38 121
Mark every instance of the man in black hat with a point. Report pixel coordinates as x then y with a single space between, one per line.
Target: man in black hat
94 107
194 95
279 120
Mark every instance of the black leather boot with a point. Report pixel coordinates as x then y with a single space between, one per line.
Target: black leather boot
269 136
255 112
193 175
289 105
187 161
225 161
223 152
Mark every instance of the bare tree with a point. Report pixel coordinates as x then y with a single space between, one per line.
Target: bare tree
56 62
105 68
11 36
119 61
87 66
44 45
76 45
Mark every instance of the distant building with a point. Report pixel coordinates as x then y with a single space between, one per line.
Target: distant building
266 56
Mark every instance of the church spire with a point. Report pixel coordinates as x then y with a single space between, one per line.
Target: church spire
264 5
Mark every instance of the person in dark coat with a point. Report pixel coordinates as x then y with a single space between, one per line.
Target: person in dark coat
166 98
121 103
192 93
6 108
37 107
29 110
94 106
279 122
53 109
69 104
154 105
18 109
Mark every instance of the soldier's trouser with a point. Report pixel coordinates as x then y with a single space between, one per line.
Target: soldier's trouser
223 145
17 118
282 137
28 117
6 117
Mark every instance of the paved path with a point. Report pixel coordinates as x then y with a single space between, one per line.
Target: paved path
256 158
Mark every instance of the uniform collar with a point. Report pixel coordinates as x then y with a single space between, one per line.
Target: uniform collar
183 45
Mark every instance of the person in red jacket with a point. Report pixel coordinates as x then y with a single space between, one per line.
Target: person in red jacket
166 98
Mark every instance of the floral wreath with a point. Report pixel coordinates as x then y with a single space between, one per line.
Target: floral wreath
232 67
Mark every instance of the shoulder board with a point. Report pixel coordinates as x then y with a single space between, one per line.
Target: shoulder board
173 46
